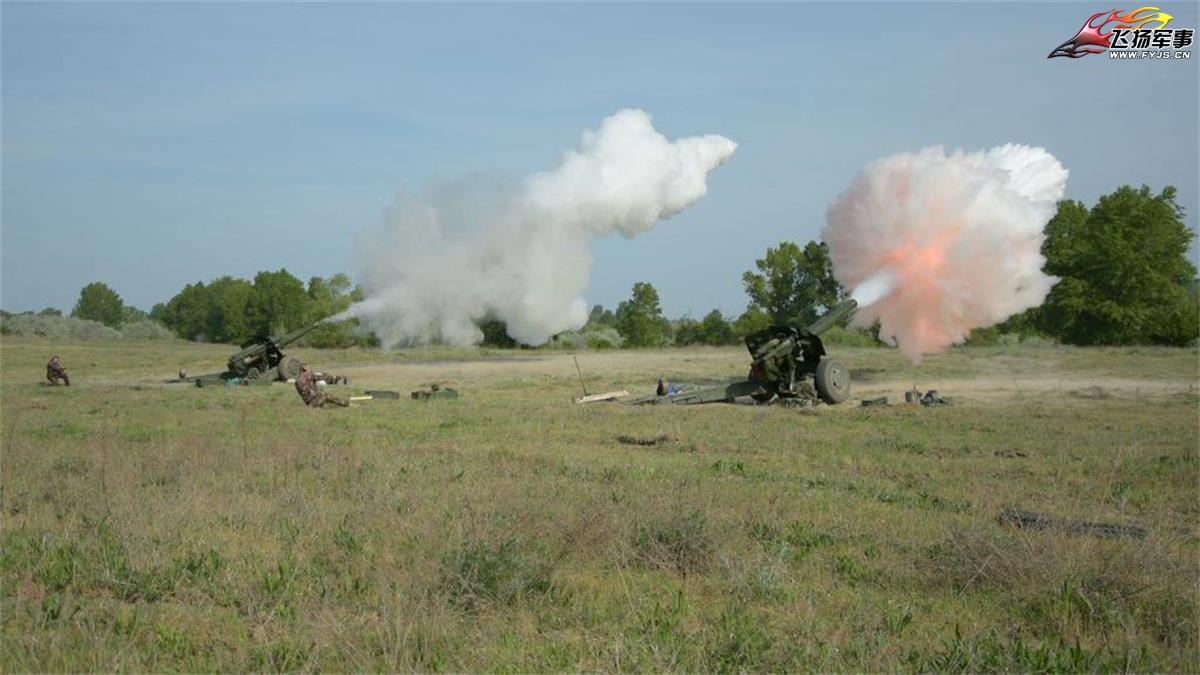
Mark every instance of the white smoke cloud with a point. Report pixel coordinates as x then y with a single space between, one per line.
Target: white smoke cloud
450 255
935 245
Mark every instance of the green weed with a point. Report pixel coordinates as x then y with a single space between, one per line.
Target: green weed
850 570
71 465
479 572
990 652
678 543
795 541
739 644
279 657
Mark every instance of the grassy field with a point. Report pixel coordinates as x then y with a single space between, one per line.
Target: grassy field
167 527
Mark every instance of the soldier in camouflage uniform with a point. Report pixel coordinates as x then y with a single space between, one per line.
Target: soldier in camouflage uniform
306 385
55 372
330 378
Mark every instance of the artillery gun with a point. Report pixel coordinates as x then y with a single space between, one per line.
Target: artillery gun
260 361
788 364
263 358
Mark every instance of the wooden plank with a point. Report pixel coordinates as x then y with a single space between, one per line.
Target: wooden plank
606 396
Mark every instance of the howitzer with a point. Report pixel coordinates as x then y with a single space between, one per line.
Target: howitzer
790 362
263 358
787 363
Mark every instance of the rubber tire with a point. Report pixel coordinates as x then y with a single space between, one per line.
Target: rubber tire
289 368
833 381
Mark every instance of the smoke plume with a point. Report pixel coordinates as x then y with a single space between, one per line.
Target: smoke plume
450 255
935 245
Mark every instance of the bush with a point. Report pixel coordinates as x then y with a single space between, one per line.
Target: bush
71 328
604 340
495 334
569 340
145 330
984 337
58 328
592 337
1034 340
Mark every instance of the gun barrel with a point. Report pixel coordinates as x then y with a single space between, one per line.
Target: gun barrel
288 338
839 312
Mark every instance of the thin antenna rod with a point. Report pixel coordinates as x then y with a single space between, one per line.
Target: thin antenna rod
580 373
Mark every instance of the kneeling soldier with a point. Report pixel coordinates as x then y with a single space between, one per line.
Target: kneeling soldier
55 372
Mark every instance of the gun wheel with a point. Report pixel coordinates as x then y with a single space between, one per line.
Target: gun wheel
289 368
833 381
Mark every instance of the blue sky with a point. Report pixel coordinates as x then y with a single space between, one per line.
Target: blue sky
153 145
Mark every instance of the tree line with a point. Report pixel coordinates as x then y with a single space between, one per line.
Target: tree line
1125 278
233 310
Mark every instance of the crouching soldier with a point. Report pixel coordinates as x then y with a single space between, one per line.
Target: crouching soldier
55 372
306 385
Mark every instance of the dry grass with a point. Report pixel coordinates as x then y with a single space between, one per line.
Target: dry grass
1080 588
154 527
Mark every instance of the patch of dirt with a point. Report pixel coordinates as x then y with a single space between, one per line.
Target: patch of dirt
660 439
1093 392
998 389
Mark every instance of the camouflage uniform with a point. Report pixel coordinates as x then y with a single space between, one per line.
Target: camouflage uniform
306 386
330 378
55 372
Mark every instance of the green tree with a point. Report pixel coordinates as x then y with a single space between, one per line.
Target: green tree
791 284
687 332
130 314
50 311
226 312
229 309
159 313
640 319
495 333
326 298
1125 274
715 330
187 313
98 302
601 317
279 303
752 320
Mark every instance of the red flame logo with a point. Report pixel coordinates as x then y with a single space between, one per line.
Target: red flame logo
1091 39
